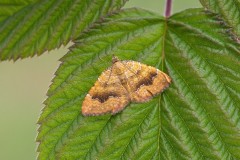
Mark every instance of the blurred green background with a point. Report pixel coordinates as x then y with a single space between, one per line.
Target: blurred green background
23 87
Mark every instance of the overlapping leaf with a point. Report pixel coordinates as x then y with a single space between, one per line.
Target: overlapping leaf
198 117
8 8
48 24
229 10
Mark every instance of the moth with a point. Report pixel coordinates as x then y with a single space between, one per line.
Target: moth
124 82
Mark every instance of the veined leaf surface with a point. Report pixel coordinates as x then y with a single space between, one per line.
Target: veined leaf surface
8 8
197 117
46 25
229 10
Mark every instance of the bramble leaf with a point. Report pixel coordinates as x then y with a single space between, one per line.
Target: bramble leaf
197 117
8 8
46 25
229 10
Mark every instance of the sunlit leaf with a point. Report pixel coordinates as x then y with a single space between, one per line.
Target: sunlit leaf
229 10
197 117
8 8
49 24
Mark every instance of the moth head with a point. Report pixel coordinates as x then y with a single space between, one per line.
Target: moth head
115 59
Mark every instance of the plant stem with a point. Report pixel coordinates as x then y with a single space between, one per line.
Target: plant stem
168 8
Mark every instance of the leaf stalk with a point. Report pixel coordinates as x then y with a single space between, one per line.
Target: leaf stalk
168 8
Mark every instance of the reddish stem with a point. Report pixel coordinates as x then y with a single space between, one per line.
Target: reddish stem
168 8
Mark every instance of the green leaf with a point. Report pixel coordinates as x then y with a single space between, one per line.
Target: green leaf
8 8
49 24
197 117
229 11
